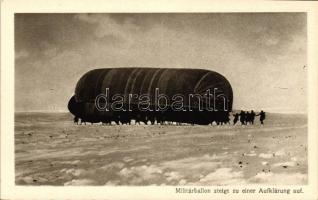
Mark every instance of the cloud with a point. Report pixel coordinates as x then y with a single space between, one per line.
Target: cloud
271 41
21 54
254 51
106 26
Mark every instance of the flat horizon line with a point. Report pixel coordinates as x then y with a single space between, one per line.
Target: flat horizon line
65 111
42 111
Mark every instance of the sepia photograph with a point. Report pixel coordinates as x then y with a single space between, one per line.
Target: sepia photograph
160 99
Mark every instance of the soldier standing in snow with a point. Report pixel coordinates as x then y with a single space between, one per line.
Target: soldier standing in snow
242 117
261 116
236 116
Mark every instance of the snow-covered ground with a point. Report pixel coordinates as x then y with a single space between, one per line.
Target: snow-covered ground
51 150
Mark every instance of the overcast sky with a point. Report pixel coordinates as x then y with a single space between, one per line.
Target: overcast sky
262 54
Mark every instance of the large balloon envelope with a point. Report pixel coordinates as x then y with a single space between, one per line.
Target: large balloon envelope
145 81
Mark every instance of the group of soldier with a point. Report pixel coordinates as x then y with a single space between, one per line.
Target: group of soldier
246 117
221 118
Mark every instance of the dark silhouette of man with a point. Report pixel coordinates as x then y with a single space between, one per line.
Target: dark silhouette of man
226 119
247 117
252 116
236 117
242 117
261 116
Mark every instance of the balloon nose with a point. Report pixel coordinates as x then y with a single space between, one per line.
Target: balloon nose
73 106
